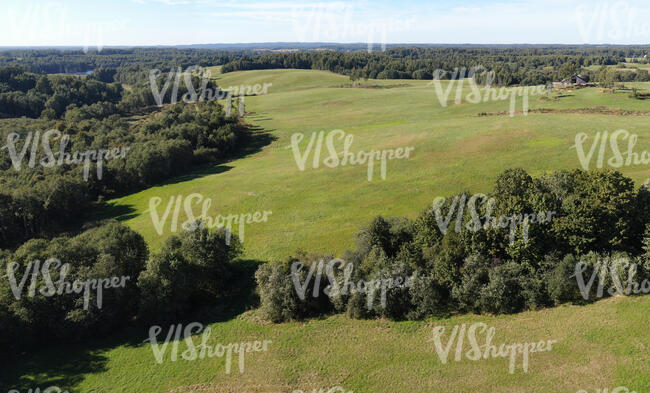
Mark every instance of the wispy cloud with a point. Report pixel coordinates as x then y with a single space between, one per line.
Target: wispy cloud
167 2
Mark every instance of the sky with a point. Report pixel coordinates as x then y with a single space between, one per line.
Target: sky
182 22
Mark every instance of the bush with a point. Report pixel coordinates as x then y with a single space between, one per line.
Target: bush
476 276
505 294
277 285
561 282
192 270
427 296
278 302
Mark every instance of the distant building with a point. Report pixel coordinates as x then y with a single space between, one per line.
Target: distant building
578 79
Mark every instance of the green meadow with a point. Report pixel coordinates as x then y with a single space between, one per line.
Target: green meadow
599 346
456 147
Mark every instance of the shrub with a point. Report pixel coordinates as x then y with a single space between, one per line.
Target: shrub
504 294
192 270
476 276
278 287
562 286
427 296
278 302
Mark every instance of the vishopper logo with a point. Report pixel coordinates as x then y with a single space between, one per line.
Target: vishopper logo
204 220
337 22
478 94
612 22
49 160
485 351
618 389
50 23
50 288
335 389
51 389
333 160
206 92
203 350
617 269
370 287
619 157
476 224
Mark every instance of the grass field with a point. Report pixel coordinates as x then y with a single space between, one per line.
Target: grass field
603 345
455 149
599 346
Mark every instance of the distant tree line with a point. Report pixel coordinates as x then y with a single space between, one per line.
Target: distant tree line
55 61
516 64
31 95
598 214
511 66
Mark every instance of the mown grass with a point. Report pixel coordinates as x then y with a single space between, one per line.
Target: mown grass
455 149
602 345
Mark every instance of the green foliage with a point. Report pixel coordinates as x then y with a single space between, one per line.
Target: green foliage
597 215
476 275
511 66
111 250
279 297
562 285
42 200
192 270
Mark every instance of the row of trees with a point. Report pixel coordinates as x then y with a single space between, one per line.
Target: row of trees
194 270
511 65
55 61
598 215
50 96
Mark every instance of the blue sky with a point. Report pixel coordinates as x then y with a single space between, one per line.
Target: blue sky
176 22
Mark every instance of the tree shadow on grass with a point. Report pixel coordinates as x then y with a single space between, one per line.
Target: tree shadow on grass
242 297
63 366
258 138
119 212
197 174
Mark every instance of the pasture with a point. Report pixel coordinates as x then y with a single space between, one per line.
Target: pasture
456 147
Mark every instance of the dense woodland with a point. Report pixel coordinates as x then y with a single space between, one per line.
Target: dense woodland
511 66
128 62
45 210
39 200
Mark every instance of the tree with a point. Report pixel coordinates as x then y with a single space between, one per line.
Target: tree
607 77
193 269
44 85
